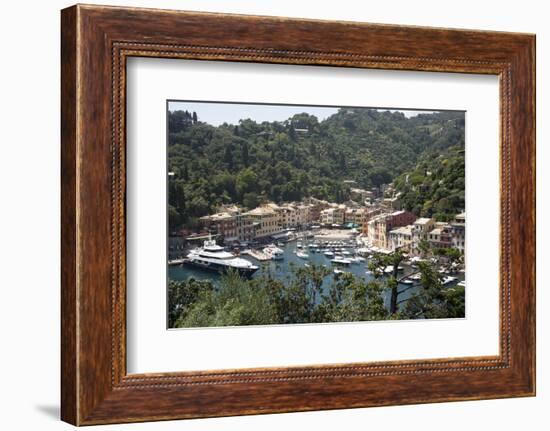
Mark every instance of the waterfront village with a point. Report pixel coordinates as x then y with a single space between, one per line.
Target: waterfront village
372 221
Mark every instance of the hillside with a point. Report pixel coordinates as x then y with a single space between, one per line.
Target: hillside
436 186
285 161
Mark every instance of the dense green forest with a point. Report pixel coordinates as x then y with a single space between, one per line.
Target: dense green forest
436 186
253 162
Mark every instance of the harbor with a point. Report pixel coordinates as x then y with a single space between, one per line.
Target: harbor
342 252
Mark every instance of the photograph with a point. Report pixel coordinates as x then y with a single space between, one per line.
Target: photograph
262 210
299 214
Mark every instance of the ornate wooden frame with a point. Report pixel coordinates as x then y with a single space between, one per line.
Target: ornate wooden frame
95 43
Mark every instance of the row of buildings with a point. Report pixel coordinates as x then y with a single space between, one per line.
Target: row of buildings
265 221
385 227
402 230
237 225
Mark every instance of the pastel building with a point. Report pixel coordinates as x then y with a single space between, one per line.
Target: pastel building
458 226
266 221
420 230
401 239
441 236
222 223
380 226
333 215
368 215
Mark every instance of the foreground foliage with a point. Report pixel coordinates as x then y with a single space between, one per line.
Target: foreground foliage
311 295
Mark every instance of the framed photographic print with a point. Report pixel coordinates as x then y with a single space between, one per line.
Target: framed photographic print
267 215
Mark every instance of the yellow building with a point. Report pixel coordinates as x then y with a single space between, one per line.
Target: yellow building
266 221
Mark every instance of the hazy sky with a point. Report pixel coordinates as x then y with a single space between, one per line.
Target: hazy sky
231 113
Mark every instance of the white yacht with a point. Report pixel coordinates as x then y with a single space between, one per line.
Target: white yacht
213 257
274 252
340 260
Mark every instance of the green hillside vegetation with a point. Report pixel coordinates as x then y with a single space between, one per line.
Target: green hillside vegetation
435 187
251 163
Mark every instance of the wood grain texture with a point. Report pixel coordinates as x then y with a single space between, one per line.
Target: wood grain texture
96 41
69 397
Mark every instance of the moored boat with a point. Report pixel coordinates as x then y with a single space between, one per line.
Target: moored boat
301 254
213 257
448 280
274 252
340 260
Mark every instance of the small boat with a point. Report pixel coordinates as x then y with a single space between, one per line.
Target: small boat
340 260
175 262
388 269
416 277
416 259
359 259
302 255
329 253
407 281
448 280
274 252
338 271
462 283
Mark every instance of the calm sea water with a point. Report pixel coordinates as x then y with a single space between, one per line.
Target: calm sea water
281 269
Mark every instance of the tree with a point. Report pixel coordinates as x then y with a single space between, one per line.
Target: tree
433 299
181 295
309 296
233 303
244 154
250 200
350 299
379 176
247 181
378 265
